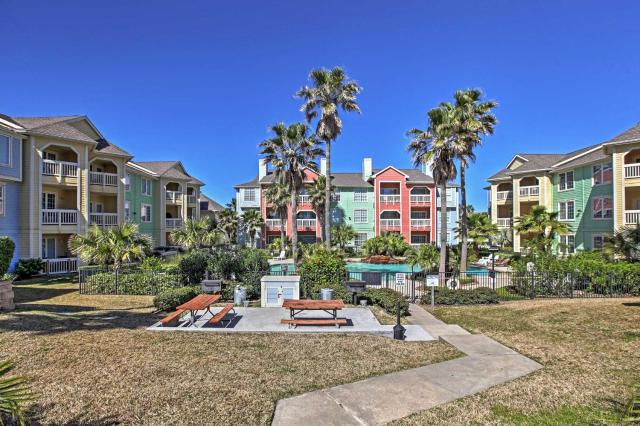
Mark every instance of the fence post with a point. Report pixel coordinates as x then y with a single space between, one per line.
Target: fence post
116 273
573 277
533 285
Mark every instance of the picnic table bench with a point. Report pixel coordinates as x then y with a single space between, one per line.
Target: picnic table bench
329 306
201 302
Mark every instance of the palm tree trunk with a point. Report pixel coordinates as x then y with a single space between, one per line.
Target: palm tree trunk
463 224
294 224
327 198
283 231
443 229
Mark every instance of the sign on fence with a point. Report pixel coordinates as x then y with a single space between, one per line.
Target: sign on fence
431 281
400 279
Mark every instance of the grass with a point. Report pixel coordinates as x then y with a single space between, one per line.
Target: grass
590 350
384 317
91 361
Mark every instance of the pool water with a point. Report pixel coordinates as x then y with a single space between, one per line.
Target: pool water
278 268
372 267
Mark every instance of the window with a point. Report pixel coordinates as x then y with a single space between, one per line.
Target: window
145 213
601 174
360 239
5 150
335 197
567 244
204 205
2 196
360 195
48 248
49 156
127 185
250 194
598 242
48 201
566 210
360 216
127 210
565 181
602 207
146 186
418 239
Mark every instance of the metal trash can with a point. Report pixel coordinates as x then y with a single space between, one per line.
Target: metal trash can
239 295
326 294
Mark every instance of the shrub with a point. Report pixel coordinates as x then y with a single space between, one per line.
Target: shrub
193 265
324 269
151 264
168 299
477 296
27 268
225 264
387 299
228 287
7 247
132 282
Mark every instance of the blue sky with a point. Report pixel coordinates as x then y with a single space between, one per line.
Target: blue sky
201 81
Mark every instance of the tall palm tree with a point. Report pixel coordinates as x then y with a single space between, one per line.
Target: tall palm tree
342 235
14 392
114 246
474 119
542 225
625 242
278 196
480 230
426 256
434 146
228 223
290 151
331 90
196 233
251 222
317 194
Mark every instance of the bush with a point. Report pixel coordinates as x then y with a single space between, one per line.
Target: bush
324 269
168 299
477 296
151 264
193 265
132 282
7 247
27 268
387 299
225 264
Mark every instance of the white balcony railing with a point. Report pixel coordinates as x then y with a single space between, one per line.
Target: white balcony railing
174 223
274 223
420 199
504 195
191 199
63 265
389 223
59 168
335 197
504 222
99 178
304 198
631 217
174 197
60 217
420 223
103 219
631 170
306 223
529 191
390 199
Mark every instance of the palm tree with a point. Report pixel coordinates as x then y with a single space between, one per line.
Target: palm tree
543 225
290 151
473 120
480 230
228 223
251 222
278 196
114 246
342 235
13 393
318 196
625 242
196 233
331 90
434 146
426 256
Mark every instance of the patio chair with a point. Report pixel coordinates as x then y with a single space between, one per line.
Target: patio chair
283 255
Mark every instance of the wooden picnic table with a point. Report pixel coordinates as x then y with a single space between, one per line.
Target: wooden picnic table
199 303
329 306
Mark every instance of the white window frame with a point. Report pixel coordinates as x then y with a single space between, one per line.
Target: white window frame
359 193
44 247
142 217
146 185
566 219
573 181
563 247
127 210
366 215
247 199
593 241
127 182
3 193
601 172
359 237
426 240
9 150
602 209
45 200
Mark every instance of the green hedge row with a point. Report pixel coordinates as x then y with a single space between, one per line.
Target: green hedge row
170 298
387 299
137 282
477 296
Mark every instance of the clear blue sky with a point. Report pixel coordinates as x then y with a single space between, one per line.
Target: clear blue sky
200 81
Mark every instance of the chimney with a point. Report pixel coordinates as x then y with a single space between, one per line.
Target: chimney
262 168
367 170
426 168
323 166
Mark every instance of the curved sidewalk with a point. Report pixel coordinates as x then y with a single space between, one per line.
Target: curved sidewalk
381 399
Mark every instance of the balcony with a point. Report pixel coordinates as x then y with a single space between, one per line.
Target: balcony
390 199
418 223
59 172
504 195
103 179
420 199
529 191
631 171
63 265
103 219
174 197
60 217
173 223
191 199
304 199
631 217
389 224
306 223
504 222
274 224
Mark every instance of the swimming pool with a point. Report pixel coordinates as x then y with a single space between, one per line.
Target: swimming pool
373 267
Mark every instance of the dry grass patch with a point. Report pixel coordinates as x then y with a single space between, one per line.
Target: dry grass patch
590 357
91 361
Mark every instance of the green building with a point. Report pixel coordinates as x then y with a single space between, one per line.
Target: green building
354 205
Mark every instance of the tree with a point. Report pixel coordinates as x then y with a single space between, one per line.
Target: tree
331 90
318 197
114 246
228 223
388 244
196 233
625 242
291 151
251 222
278 196
343 234
473 120
480 230
13 393
434 146
542 225
426 256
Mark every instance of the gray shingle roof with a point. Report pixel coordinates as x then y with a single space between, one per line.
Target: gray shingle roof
252 183
62 130
214 206
415 175
349 180
35 122
632 134
110 148
168 169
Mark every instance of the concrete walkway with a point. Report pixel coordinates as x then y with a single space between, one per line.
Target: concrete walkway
379 400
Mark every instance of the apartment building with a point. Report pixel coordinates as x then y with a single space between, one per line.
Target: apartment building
595 190
60 175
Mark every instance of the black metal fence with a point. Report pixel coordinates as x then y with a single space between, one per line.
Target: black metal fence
129 279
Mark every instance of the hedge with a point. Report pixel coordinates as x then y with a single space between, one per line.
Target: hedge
169 299
132 283
387 299
7 247
324 269
477 296
27 268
